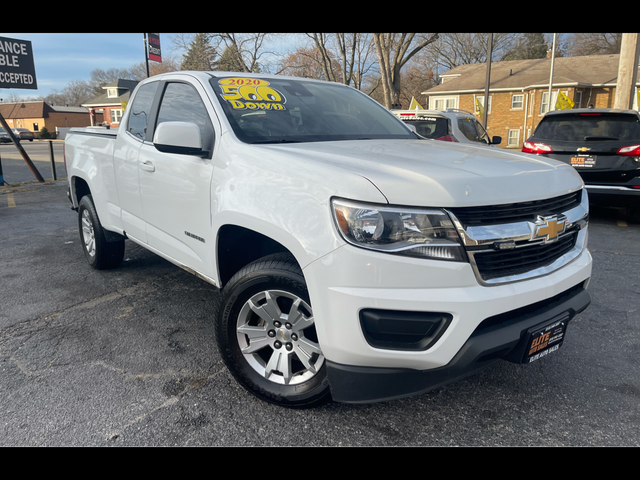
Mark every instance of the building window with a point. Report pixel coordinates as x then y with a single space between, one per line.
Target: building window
443 103
513 139
112 92
517 102
577 100
544 105
116 115
480 100
532 97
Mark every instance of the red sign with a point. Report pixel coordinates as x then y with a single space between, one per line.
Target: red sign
154 47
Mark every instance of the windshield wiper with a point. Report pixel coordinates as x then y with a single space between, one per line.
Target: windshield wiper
274 141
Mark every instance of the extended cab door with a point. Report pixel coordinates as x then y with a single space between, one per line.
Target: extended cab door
132 134
176 188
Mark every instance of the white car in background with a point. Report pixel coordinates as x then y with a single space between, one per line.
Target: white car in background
452 125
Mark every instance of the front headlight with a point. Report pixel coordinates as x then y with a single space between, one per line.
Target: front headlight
422 233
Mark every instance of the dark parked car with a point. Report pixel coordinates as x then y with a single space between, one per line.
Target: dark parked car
604 147
4 136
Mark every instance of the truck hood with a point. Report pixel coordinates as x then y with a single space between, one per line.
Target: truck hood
441 174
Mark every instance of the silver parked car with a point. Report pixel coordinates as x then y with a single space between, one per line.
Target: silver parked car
23 134
452 125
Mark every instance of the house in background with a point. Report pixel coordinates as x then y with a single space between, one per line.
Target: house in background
35 116
109 103
519 91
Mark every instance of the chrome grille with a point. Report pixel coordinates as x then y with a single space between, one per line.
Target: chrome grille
516 212
493 265
501 240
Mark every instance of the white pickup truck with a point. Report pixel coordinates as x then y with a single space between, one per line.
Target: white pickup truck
355 260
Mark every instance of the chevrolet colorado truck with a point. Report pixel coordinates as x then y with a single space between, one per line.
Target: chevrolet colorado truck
356 261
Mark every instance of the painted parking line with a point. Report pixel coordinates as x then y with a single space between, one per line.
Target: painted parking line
10 200
622 223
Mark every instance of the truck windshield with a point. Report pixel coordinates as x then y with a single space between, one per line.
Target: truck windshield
287 110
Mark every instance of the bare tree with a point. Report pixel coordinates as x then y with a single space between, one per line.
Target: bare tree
344 57
357 52
99 78
170 63
394 51
308 63
527 46
325 58
247 48
594 43
454 49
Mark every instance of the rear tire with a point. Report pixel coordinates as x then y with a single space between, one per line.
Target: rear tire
99 253
265 331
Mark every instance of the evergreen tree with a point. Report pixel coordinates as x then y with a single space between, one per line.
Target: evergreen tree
529 46
228 61
201 54
231 61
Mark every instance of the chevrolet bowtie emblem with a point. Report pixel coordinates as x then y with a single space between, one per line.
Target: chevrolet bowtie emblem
583 149
548 228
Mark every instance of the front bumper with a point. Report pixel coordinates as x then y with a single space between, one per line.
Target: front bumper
507 341
351 280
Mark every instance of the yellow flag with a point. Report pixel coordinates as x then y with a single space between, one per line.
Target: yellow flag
415 105
479 107
563 102
124 106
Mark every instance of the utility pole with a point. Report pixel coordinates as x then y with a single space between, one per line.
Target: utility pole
146 56
488 81
627 71
553 59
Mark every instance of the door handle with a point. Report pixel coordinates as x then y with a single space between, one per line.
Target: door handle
147 167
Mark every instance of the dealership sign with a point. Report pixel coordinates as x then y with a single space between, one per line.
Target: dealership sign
154 47
17 69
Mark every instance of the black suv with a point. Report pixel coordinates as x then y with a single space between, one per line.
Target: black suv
604 147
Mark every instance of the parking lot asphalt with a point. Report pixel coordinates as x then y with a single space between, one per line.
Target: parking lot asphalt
126 358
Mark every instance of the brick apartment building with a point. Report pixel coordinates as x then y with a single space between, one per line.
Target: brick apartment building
519 91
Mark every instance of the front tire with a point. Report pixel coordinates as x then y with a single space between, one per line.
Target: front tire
266 334
99 253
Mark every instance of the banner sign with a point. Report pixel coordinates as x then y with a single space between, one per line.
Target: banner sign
17 68
154 47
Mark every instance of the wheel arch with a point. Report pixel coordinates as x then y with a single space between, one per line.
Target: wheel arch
79 188
238 246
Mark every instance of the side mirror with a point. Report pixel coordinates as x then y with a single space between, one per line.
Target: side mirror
178 137
496 140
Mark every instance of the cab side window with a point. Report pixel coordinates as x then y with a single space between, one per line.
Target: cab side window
182 103
141 110
468 129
